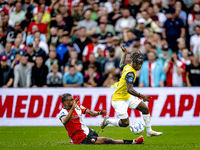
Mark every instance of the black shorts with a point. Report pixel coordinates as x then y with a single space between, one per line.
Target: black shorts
91 138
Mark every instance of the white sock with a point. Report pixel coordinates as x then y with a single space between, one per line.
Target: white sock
114 122
147 120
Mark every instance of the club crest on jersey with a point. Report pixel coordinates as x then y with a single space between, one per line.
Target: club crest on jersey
130 79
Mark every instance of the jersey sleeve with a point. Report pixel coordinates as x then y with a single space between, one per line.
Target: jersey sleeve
130 77
62 113
83 109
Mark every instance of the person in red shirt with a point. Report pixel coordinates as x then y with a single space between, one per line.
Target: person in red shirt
78 132
41 26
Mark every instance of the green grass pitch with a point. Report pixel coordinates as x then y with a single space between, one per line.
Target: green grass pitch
174 137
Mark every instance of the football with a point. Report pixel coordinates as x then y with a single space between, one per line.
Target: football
137 127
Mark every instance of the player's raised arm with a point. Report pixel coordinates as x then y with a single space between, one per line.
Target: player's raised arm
123 60
65 119
95 113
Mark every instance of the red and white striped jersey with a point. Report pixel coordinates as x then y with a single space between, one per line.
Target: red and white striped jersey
76 128
173 78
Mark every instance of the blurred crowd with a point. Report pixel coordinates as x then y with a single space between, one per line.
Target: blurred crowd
76 43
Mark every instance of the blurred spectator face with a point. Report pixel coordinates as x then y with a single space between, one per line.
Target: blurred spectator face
52 54
196 7
95 39
39 16
3 63
60 32
99 52
34 28
197 30
196 58
17 42
87 15
62 9
103 20
42 8
70 48
173 15
59 18
147 46
91 2
178 11
178 4
109 39
39 61
137 43
17 26
36 41
24 60
156 36
146 33
185 53
82 32
65 40
30 49
102 27
151 56
19 36
197 17
95 7
126 13
112 53
18 7
171 2
135 49
130 36
73 55
145 5
150 10
55 69
145 15
91 71
115 42
104 11
92 58
75 7
37 35
114 6
141 25
53 31
27 1
42 1
81 6
181 45
156 9
72 71
174 55
8 47
52 47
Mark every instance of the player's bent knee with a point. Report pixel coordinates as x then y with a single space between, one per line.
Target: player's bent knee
124 123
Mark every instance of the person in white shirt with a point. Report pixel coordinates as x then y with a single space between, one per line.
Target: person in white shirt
195 39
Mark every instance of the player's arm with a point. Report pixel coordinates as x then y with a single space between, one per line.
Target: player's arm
123 60
65 119
129 83
95 113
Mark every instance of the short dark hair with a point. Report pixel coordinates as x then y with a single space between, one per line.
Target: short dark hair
65 96
71 66
135 56
38 56
65 35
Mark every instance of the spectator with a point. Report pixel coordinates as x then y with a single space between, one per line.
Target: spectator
62 48
95 9
10 54
181 46
173 69
11 36
22 73
60 24
112 62
195 23
25 23
179 12
37 49
31 55
109 40
164 54
36 33
126 22
114 15
66 57
41 26
116 43
173 29
149 23
91 79
78 14
52 60
193 72
151 72
129 38
72 78
6 73
73 60
148 47
54 78
87 22
27 6
139 30
38 9
100 59
134 7
42 44
82 41
18 15
147 37
53 39
191 15
39 73
185 58
18 47
92 60
92 48
195 40
17 59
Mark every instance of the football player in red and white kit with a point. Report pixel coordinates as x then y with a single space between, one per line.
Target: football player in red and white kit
78 132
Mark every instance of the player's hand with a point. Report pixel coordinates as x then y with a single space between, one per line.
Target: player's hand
146 98
102 112
124 49
75 103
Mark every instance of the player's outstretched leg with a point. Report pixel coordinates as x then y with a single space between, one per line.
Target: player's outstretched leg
104 140
147 119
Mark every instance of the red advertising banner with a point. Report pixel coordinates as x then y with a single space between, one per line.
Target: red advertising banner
40 106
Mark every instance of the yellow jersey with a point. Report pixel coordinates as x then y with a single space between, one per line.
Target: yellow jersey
128 76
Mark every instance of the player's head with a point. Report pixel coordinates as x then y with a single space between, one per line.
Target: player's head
136 60
67 100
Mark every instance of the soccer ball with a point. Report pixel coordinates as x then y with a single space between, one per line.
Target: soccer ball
137 127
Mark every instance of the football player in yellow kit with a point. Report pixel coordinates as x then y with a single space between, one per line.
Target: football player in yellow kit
125 96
